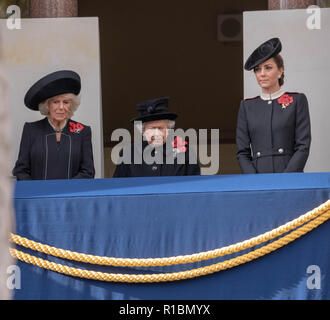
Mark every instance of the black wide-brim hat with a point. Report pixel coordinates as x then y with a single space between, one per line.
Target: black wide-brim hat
264 52
155 109
53 84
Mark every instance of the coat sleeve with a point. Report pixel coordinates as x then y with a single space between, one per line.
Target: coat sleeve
243 142
193 170
122 169
86 170
302 137
192 167
22 169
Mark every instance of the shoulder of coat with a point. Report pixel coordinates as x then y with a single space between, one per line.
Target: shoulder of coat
251 98
74 121
292 92
36 124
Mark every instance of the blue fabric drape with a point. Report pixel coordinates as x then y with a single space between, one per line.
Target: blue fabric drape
168 216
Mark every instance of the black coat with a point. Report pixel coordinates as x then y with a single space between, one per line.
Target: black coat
271 137
174 168
41 157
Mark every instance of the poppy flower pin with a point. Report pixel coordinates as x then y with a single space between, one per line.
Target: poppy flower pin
179 145
285 100
76 127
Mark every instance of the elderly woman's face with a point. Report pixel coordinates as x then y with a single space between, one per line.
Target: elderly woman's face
59 108
156 132
267 74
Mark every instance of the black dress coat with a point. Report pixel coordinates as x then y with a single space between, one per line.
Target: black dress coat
41 157
273 136
173 167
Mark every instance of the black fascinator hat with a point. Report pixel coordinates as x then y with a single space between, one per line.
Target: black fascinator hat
264 52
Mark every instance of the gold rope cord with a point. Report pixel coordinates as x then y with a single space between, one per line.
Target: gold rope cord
163 277
167 261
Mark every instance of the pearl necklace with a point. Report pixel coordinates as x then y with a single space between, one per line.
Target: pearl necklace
57 130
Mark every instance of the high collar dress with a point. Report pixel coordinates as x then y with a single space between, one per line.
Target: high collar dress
273 133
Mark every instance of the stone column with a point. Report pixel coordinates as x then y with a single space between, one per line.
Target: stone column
53 8
290 4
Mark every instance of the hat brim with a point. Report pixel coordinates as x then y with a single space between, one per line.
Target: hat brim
156 116
257 58
54 84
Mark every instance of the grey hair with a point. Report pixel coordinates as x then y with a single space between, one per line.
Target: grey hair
140 125
171 124
75 103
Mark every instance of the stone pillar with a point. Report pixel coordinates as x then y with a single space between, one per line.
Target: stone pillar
53 8
290 4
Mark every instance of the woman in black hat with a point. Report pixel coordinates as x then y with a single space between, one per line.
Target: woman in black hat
155 120
55 147
273 130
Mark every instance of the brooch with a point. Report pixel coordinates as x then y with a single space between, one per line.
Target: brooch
285 100
76 127
179 145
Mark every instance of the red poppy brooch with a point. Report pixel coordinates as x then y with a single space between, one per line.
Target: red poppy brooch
285 100
76 127
179 145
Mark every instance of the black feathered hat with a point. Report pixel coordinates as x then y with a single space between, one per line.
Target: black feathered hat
155 109
53 84
264 52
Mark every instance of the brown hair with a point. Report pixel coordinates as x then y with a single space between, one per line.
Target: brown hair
280 64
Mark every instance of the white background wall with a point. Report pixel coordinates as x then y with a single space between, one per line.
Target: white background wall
306 55
43 46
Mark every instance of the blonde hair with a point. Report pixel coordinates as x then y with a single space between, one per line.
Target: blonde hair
75 102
